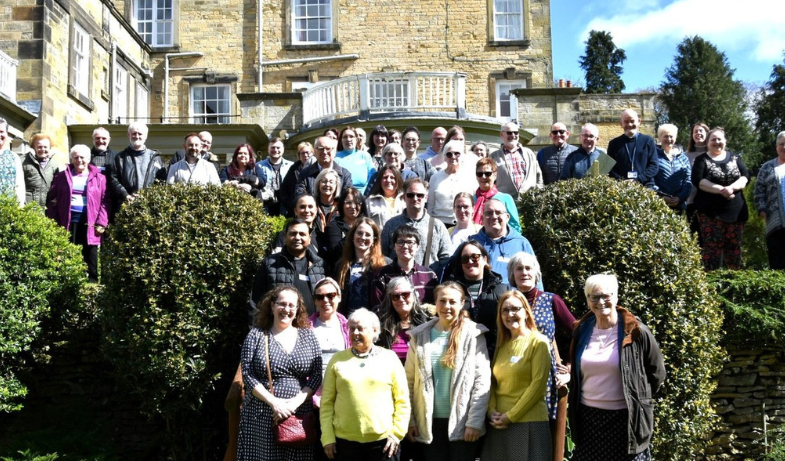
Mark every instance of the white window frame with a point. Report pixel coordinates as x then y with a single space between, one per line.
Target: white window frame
120 94
504 19
199 105
503 87
81 60
142 105
307 17
155 30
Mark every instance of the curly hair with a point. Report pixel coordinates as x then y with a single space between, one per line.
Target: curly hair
264 316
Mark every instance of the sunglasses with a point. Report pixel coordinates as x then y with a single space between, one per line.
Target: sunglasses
484 174
401 296
512 133
414 194
452 154
322 297
473 258
555 132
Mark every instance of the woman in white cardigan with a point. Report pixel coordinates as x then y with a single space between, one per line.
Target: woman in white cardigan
386 198
449 377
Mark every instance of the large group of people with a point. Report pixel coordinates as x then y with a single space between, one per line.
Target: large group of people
400 312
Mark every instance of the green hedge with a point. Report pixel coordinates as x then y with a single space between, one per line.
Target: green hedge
753 243
583 227
41 274
754 305
178 268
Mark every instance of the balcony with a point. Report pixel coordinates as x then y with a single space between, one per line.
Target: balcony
8 77
362 96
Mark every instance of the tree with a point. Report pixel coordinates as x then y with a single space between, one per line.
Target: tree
770 110
699 87
602 64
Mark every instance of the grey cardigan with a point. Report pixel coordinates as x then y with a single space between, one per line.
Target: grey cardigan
470 384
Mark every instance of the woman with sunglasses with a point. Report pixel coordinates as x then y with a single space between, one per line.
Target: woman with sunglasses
470 268
449 377
362 257
487 173
399 312
446 184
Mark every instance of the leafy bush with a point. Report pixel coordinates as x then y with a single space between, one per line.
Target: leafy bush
753 242
178 269
583 227
754 305
40 273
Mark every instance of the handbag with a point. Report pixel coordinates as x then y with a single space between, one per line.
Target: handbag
294 431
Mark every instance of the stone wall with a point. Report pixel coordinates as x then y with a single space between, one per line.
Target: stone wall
750 380
538 109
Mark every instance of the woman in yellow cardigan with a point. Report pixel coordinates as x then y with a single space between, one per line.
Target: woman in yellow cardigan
517 412
365 397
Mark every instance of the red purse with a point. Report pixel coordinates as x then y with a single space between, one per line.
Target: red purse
294 431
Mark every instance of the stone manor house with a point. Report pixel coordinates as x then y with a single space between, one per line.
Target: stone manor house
249 69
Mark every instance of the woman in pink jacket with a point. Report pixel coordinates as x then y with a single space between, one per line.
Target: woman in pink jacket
78 201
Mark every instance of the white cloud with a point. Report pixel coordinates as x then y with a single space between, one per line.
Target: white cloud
753 26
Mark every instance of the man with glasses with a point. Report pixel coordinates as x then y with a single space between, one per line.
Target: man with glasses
325 149
407 242
420 166
552 158
579 162
500 240
438 137
518 168
297 264
437 245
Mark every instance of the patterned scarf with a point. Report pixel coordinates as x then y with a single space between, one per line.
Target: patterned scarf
483 197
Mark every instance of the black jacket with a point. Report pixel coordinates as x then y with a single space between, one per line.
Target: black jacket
642 373
307 182
278 269
288 185
483 310
122 175
331 241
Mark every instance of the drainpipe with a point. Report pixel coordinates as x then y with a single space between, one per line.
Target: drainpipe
261 42
112 67
167 56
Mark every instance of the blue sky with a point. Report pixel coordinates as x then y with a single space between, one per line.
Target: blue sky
751 33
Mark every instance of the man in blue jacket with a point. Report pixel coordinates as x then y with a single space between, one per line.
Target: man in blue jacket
635 153
499 239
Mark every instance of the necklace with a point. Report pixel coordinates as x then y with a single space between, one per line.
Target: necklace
362 355
606 339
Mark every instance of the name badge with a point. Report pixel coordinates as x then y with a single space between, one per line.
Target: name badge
502 259
304 278
632 175
515 359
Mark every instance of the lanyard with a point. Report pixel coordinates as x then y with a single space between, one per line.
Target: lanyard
631 158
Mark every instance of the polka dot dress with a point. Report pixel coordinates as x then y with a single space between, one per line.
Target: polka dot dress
291 372
543 318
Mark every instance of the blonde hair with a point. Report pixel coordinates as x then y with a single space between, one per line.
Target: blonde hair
457 324
503 335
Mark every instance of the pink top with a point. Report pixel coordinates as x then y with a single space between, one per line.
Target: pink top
401 345
602 384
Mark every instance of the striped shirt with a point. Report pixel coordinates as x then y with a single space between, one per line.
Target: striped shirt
78 196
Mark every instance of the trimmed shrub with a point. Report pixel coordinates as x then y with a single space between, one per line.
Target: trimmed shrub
753 240
178 269
593 225
754 305
41 274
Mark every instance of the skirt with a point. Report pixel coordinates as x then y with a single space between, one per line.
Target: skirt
604 437
519 442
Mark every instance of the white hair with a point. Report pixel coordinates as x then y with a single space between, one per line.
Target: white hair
605 281
367 318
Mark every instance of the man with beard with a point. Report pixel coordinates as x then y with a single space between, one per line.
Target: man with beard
134 168
193 169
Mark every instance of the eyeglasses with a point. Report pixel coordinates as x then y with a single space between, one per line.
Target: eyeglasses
415 194
484 174
286 305
511 310
492 213
511 133
411 140
555 132
605 297
452 154
323 296
401 296
406 243
473 258
587 136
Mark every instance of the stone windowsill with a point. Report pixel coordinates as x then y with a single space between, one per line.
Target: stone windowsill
80 98
510 43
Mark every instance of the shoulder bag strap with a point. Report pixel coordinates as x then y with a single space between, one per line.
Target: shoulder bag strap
267 359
